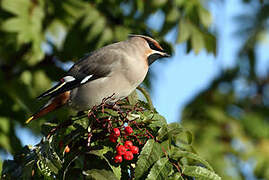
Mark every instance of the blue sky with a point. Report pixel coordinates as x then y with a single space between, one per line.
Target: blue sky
179 79
185 75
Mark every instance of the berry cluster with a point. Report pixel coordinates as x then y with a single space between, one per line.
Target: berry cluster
126 149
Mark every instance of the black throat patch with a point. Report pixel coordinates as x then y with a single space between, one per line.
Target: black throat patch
153 57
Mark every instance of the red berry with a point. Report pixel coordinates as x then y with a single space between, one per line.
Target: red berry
128 156
128 144
67 149
134 149
118 159
116 131
112 138
128 130
121 150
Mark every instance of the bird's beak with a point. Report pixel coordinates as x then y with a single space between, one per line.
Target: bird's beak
160 54
165 55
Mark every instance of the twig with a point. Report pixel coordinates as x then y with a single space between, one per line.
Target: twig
146 94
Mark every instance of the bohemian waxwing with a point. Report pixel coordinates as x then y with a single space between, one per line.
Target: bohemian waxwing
116 69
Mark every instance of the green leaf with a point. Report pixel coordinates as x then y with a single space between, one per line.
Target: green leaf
185 30
83 122
27 25
111 112
170 131
47 127
160 170
205 16
173 15
154 120
17 7
121 32
180 2
150 153
49 162
199 172
210 43
13 25
97 174
1 165
197 41
96 28
4 125
140 5
178 153
176 176
100 153
4 134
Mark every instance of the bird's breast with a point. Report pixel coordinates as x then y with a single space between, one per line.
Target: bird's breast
122 81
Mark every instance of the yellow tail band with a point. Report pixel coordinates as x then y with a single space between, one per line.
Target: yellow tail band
30 119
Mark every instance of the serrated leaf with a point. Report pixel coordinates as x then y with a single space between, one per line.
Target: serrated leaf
205 16
150 153
157 121
200 172
185 30
178 153
20 7
13 24
96 28
170 131
90 17
160 170
197 41
176 176
210 43
74 8
189 136
100 153
173 15
28 26
83 122
98 174
49 162
111 112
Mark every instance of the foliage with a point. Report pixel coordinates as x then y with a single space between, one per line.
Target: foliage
39 36
230 117
166 150
230 126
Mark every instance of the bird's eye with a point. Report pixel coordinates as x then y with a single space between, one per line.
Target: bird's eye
153 46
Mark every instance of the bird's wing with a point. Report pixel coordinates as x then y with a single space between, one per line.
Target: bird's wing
89 68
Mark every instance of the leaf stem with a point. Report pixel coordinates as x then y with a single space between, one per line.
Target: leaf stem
147 96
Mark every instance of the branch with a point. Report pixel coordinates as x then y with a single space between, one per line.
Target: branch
111 142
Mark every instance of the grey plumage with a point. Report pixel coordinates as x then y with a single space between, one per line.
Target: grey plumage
114 69
119 73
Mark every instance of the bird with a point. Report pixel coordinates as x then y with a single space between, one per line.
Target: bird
116 69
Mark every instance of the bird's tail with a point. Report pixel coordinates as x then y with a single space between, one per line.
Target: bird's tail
53 103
